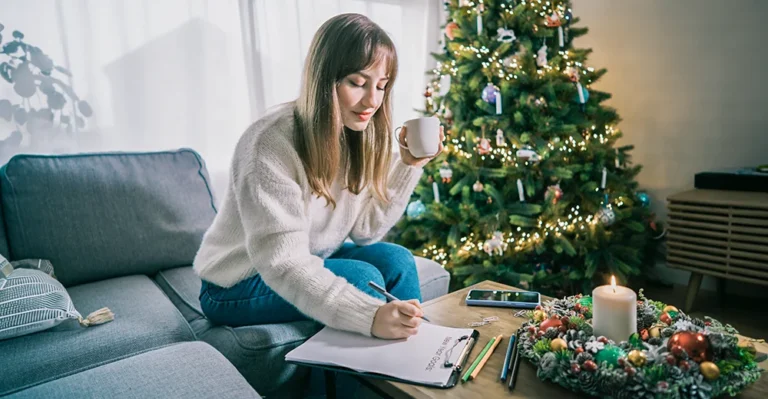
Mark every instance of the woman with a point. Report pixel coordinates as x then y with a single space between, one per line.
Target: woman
306 177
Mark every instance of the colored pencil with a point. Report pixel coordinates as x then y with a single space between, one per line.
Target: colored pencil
477 360
515 367
486 357
507 359
512 364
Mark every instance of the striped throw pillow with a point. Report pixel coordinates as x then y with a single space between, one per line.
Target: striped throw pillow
31 301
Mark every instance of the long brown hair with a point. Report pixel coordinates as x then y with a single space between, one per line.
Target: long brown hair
343 45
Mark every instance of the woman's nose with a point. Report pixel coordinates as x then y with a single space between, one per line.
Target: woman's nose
369 99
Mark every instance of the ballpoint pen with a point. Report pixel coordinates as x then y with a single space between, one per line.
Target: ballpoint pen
386 294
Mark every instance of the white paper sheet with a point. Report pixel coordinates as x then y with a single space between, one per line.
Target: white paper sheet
419 358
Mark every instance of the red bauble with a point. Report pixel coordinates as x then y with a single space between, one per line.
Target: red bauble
630 371
450 28
663 385
644 334
552 322
531 329
575 369
589 365
677 350
577 307
563 328
684 365
579 350
540 333
694 344
665 318
538 307
602 339
671 359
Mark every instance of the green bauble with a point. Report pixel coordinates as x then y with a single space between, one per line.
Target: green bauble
586 301
610 354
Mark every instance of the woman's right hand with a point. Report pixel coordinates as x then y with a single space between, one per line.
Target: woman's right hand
397 319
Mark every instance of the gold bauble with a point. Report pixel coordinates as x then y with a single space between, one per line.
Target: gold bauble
669 308
558 344
709 370
655 332
539 315
637 358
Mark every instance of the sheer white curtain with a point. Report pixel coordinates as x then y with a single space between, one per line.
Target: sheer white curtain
281 32
158 74
163 74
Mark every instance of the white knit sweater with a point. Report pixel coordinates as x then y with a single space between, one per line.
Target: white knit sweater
271 224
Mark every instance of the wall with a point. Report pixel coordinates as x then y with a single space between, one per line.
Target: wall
688 78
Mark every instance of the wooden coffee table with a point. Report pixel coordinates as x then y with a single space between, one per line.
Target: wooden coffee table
451 310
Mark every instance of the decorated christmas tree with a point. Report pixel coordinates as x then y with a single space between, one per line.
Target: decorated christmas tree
532 189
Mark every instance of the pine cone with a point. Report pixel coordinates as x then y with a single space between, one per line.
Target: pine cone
547 366
646 320
551 333
657 341
583 357
698 323
612 380
675 373
667 332
695 388
590 384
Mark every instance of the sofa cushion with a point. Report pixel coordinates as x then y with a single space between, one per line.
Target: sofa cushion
185 370
144 319
104 215
32 301
433 279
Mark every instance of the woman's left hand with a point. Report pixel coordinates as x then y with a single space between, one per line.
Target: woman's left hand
409 159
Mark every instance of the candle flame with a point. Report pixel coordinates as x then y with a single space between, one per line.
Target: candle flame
613 283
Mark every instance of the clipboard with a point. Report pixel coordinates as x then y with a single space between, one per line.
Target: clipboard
452 380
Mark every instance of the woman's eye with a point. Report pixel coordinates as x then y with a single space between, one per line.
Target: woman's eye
381 88
356 84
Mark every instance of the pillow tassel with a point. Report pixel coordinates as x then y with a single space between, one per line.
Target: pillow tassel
100 316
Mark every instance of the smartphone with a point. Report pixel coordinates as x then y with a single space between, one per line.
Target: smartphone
503 298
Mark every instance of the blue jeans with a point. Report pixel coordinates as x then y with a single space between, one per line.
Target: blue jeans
252 302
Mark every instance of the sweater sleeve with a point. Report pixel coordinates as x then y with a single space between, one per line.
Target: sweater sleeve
377 217
273 214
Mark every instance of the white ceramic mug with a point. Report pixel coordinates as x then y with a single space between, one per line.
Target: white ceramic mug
422 136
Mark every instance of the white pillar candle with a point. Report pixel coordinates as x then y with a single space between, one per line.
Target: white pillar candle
560 36
479 24
617 159
520 190
498 103
614 311
436 192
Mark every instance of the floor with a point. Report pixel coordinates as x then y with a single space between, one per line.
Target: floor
743 313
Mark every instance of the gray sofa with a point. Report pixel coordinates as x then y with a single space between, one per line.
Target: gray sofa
121 230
